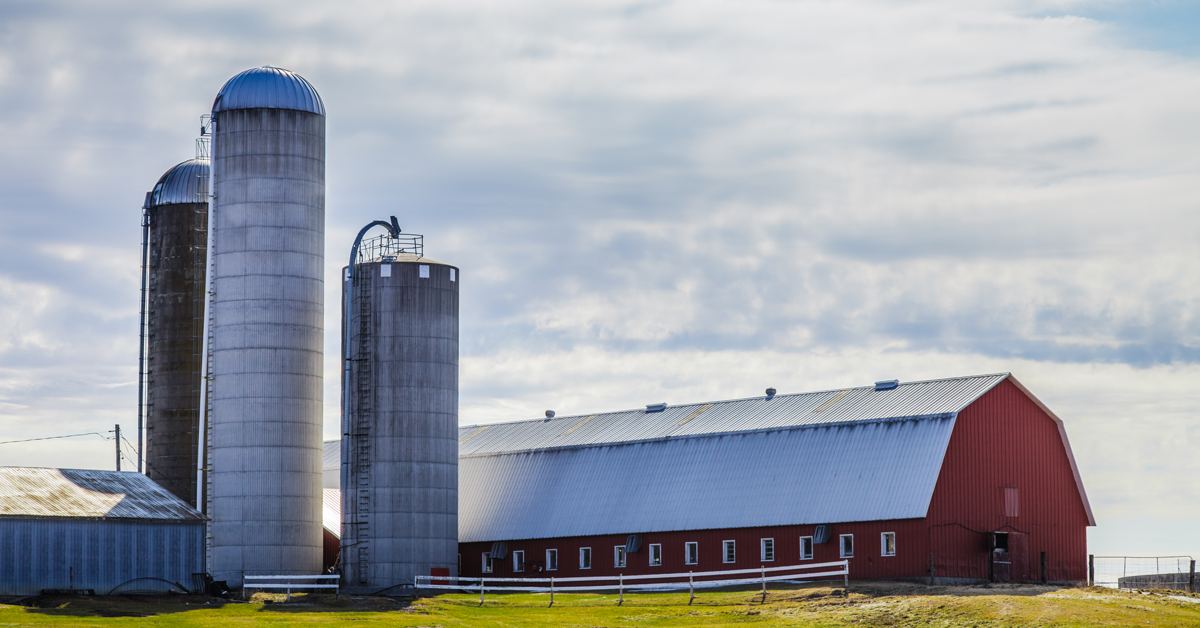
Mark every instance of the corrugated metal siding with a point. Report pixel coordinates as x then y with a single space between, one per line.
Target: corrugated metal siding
912 399
1005 439
910 559
38 554
331 511
822 474
36 492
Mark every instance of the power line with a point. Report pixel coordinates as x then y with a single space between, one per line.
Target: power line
30 440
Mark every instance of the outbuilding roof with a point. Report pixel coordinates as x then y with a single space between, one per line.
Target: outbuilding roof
90 493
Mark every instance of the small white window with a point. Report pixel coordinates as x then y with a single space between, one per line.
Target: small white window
453 274
730 551
487 562
585 558
768 550
619 556
424 271
552 560
887 544
656 554
806 548
847 545
385 270
691 553
519 560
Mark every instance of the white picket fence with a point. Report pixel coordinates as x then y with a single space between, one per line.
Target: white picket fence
622 583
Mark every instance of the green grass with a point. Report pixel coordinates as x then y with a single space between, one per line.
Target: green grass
870 604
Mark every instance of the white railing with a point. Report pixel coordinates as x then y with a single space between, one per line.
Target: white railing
622 583
305 582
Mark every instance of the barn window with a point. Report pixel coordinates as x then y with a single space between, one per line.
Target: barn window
619 556
730 551
1012 502
656 554
691 553
887 544
806 545
585 558
768 550
487 562
552 560
847 546
519 560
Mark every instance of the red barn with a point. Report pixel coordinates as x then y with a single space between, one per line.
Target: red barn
969 478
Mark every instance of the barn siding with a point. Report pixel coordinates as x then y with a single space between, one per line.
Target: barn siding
1005 439
867 562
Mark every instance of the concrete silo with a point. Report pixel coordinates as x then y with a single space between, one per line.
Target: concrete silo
400 429
175 235
266 326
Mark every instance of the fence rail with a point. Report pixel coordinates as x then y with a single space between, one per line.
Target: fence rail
622 583
1143 572
299 583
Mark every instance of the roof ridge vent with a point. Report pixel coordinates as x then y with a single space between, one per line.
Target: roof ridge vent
887 384
656 407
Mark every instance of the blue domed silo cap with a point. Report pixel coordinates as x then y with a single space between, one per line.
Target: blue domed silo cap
268 88
187 182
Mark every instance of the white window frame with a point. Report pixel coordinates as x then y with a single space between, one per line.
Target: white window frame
585 551
883 544
691 553
518 560
766 549
487 562
656 554
619 556
727 548
842 545
551 560
810 547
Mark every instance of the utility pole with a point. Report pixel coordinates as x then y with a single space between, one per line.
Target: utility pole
118 439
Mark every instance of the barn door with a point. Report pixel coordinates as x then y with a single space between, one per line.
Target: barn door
1018 556
957 552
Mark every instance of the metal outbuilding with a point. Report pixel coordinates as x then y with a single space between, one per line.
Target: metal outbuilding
102 531
967 478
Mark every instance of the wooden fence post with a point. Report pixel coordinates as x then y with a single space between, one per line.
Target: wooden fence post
764 581
1043 567
481 591
691 589
1091 570
1192 578
551 591
621 588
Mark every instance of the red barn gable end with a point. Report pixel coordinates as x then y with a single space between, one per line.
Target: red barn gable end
973 475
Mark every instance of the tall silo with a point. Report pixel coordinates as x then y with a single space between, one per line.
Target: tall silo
175 232
400 475
266 326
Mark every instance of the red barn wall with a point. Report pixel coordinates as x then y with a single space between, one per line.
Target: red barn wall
1004 439
910 559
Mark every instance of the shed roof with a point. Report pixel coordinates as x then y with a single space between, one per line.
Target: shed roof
91 493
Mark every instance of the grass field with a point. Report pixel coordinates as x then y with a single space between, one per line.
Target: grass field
869 604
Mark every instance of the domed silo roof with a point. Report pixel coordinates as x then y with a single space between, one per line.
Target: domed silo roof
268 88
187 182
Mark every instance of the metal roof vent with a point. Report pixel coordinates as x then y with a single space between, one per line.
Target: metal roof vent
887 384
549 415
821 534
656 407
770 393
633 543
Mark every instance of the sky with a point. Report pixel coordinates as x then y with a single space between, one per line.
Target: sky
664 201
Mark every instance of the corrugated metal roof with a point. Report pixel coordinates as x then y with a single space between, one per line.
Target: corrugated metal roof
187 182
38 492
331 510
331 455
268 87
863 471
911 399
